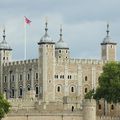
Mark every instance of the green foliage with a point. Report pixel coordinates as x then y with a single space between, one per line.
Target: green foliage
109 83
89 95
4 106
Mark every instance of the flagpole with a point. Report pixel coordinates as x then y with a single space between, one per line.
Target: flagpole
25 41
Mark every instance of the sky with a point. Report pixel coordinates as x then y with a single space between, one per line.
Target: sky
84 25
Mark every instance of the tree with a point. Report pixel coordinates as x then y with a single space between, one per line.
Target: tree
109 84
4 106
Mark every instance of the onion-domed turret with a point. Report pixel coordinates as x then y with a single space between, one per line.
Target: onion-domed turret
61 48
108 47
4 45
61 44
107 39
46 38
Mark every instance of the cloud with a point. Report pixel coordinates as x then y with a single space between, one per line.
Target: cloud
84 24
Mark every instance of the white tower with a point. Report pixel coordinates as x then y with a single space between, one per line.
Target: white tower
46 67
108 48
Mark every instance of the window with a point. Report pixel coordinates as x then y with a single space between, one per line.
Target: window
56 76
112 107
86 90
12 78
58 88
28 77
72 89
59 56
69 76
3 58
85 78
59 51
36 89
62 76
36 76
21 92
20 76
5 79
66 51
12 93
99 106
28 88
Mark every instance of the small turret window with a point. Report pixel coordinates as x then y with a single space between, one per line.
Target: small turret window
59 51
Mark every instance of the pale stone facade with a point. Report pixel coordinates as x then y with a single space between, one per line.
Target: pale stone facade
58 81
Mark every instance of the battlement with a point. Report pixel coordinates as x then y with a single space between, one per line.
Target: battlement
89 102
82 61
107 118
20 62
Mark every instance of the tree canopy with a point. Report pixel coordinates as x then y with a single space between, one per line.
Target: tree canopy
109 84
4 106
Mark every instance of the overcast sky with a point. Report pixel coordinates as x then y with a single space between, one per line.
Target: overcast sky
84 24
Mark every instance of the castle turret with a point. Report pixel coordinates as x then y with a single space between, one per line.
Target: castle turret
61 48
108 47
5 56
89 109
5 50
46 67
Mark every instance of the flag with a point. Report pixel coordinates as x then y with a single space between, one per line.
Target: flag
27 21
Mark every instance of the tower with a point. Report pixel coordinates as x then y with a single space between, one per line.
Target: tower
108 48
46 67
61 48
5 50
5 56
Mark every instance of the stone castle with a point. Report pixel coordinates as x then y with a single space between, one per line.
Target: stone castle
54 84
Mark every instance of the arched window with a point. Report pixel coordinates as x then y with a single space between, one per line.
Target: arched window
86 90
72 89
85 78
112 107
58 88
37 90
28 88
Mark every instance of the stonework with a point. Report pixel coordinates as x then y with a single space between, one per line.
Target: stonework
53 85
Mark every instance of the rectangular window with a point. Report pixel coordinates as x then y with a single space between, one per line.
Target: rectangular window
20 77
28 77
5 79
12 78
36 76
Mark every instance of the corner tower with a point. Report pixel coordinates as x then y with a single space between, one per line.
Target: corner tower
108 48
46 67
5 50
61 48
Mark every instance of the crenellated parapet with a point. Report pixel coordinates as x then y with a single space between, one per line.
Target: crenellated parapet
32 61
82 61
